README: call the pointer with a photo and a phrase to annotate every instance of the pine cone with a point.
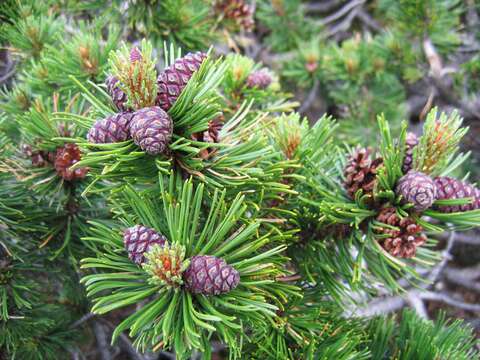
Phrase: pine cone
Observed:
(151, 128)
(135, 55)
(361, 172)
(450, 188)
(238, 11)
(5, 274)
(209, 275)
(65, 157)
(259, 79)
(139, 239)
(114, 128)
(5, 266)
(174, 78)
(404, 239)
(211, 135)
(418, 189)
(39, 158)
(119, 98)
(410, 142)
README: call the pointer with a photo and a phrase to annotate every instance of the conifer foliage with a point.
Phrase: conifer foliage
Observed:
(161, 197)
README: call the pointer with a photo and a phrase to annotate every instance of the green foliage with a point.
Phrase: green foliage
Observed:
(138, 79)
(439, 143)
(236, 91)
(40, 334)
(181, 319)
(416, 338)
(332, 224)
(304, 331)
(245, 179)
(437, 19)
(31, 33)
(187, 23)
(286, 21)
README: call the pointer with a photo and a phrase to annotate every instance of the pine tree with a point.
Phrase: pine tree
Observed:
(174, 200)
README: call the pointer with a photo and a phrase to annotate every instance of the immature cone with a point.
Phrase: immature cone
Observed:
(139, 239)
(450, 188)
(114, 128)
(259, 79)
(174, 78)
(418, 189)
(404, 239)
(361, 172)
(165, 264)
(410, 142)
(119, 98)
(209, 275)
(151, 128)
(65, 158)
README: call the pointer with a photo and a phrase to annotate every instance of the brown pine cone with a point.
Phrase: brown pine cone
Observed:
(361, 172)
(211, 135)
(237, 10)
(402, 241)
(65, 157)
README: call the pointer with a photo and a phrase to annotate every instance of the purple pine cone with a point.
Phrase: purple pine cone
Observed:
(151, 129)
(410, 142)
(418, 189)
(450, 188)
(209, 275)
(139, 239)
(114, 128)
(174, 78)
(260, 79)
(135, 55)
(119, 98)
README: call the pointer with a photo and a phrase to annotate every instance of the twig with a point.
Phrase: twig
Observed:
(103, 346)
(412, 297)
(341, 12)
(466, 238)
(310, 98)
(471, 16)
(80, 321)
(417, 304)
(443, 89)
(10, 72)
(323, 6)
(344, 24)
(464, 277)
(128, 347)
(368, 20)
(443, 297)
(164, 355)
(446, 256)
(381, 306)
